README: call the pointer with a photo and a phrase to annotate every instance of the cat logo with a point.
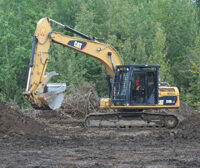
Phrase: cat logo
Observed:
(78, 44)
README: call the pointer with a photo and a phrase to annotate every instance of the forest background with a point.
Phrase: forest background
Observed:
(163, 32)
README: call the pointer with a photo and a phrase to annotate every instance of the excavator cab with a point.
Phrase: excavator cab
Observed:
(136, 95)
(135, 85)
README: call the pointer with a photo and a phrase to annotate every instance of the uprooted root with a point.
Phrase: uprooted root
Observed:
(81, 101)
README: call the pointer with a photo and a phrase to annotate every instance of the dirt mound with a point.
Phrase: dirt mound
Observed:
(185, 109)
(187, 131)
(14, 123)
(192, 121)
(55, 121)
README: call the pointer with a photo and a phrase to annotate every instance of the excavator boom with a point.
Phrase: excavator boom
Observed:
(38, 91)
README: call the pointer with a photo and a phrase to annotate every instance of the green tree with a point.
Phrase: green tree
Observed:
(159, 55)
(192, 71)
(18, 20)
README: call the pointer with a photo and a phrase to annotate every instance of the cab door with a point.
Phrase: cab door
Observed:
(138, 90)
(144, 87)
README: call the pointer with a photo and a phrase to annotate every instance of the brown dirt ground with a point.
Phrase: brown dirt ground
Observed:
(33, 138)
(14, 123)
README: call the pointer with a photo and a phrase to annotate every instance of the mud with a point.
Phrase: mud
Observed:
(54, 139)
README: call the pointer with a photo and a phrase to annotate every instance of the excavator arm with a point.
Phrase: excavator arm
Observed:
(43, 95)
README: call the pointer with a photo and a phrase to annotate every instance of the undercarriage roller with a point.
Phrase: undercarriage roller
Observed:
(130, 120)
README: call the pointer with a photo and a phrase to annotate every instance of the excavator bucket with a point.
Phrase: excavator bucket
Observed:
(48, 97)
(53, 94)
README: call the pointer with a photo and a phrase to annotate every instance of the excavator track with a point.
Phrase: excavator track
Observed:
(131, 120)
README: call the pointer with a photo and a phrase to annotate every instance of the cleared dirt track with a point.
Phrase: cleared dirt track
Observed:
(49, 139)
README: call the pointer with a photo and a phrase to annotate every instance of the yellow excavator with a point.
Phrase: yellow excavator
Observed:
(134, 90)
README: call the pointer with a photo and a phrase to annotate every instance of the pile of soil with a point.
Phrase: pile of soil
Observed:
(191, 122)
(188, 129)
(186, 110)
(14, 123)
(187, 132)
